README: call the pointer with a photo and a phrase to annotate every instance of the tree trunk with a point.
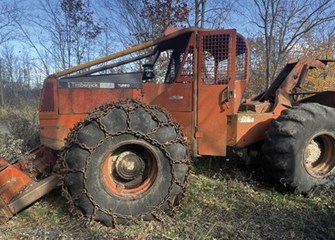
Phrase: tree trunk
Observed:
(2, 97)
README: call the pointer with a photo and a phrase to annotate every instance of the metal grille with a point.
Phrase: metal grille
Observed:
(47, 100)
(215, 59)
(241, 59)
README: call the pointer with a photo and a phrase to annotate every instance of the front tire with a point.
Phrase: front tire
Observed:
(126, 161)
(299, 148)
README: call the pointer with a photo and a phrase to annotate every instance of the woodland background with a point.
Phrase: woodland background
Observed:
(38, 37)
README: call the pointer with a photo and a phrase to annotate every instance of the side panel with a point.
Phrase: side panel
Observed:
(62, 107)
(212, 121)
(176, 98)
(83, 94)
(74, 101)
(247, 128)
(54, 131)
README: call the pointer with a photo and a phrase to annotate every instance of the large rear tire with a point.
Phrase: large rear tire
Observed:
(299, 148)
(125, 161)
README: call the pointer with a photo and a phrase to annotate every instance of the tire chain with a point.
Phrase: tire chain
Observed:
(128, 106)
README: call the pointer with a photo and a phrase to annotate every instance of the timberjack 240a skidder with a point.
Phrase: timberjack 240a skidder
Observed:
(115, 125)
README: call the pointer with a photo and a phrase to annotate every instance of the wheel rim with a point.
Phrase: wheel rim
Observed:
(319, 155)
(130, 169)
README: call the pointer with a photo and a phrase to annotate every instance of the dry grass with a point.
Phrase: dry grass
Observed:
(224, 201)
(19, 130)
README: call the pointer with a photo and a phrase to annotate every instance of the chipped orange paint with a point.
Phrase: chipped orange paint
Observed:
(12, 181)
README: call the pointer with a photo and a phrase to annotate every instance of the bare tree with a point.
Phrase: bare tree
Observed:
(283, 24)
(136, 21)
(8, 13)
(2, 95)
(121, 20)
(68, 30)
(211, 13)
(319, 43)
(28, 38)
(79, 27)
(162, 14)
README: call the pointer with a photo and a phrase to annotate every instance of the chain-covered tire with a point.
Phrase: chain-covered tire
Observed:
(299, 148)
(126, 161)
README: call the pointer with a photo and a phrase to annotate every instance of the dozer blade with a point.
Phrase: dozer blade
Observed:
(19, 186)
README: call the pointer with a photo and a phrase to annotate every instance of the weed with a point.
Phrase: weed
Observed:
(11, 148)
(25, 130)
(20, 131)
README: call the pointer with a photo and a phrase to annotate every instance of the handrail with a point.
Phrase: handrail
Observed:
(105, 59)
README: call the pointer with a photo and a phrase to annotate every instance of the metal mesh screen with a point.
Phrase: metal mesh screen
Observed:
(241, 59)
(215, 59)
